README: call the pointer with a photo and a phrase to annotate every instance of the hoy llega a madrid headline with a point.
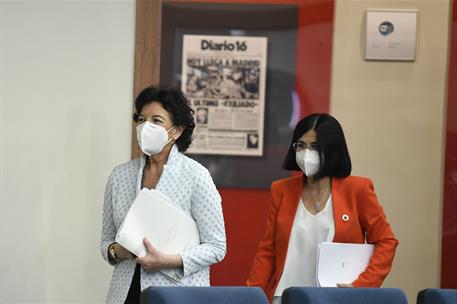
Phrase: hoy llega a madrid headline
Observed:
(223, 46)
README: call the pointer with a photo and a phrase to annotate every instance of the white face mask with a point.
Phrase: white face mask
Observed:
(308, 161)
(152, 138)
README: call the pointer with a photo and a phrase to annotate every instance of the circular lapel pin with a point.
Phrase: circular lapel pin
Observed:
(345, 217)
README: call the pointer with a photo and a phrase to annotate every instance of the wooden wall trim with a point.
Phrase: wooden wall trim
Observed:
(147, 52)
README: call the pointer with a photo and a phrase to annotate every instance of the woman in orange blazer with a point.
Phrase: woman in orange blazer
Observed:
(323, 204)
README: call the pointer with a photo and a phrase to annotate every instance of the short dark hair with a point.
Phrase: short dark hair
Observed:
(331, 144)
(175, 102)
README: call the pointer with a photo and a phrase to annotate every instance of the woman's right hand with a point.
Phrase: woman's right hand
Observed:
(123, 253)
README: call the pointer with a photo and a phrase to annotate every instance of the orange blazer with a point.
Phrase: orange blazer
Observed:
(357, 215)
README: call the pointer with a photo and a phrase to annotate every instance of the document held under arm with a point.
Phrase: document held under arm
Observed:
(341, 262)
(154, 216)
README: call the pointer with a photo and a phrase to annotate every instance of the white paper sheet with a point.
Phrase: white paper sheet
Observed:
(154, 216)
(341, 262)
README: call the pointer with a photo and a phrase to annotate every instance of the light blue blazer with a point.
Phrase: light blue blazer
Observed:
(190, 186)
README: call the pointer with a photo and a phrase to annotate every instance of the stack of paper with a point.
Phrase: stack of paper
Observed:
(341, 262)
(154, 216)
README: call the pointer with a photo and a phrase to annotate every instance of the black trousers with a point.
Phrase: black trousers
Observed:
(133, 297)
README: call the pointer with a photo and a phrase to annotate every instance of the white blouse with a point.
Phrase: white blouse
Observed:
(307, 232)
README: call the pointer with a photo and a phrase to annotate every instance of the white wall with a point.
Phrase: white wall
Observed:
(66, 102)
(393, 116)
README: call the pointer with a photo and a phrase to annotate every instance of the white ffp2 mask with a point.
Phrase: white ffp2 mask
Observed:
(308, 161)
(151, 138)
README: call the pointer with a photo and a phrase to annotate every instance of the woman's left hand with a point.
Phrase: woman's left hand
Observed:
(344, 285)
(156, 260)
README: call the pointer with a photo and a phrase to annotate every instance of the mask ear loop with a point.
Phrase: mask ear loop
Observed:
(172, 139)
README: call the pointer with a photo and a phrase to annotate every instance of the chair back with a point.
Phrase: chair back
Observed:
(334, 295)
(437, 296)
(194, 295)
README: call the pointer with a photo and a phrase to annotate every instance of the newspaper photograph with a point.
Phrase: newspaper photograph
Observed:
(224, 79)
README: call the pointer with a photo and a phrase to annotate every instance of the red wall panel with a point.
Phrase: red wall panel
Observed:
(245, 210)
(245, 214)
(449, 238)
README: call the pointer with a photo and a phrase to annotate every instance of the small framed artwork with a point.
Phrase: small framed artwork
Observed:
(391, 35)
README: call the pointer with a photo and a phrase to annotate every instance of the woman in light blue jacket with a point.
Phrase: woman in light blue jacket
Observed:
(164, 129)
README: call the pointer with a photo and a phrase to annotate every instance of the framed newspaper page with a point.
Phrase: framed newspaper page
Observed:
(250, 134)
(224, 80)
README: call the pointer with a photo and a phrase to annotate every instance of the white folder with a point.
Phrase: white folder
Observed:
(341, 262)
(154, 216)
